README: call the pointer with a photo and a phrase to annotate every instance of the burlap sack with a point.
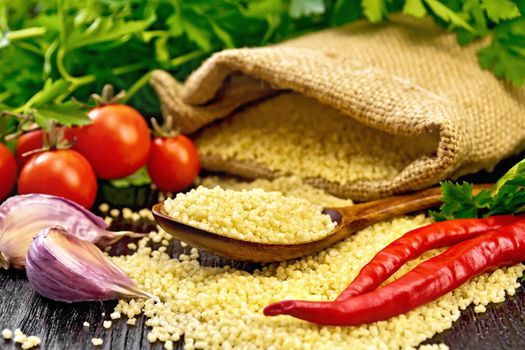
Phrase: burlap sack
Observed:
(406, 77)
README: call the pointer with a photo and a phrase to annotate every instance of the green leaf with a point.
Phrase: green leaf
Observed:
(448, 15)
(263, 8)
(139, 178)
(223, 35)
(104, 30)
(345, 11)
(49, 93)
(498, 10)
(477, 20)
(374, 10)
(459, 202)
(507, 196)
(67, 114)
(516, 172)
(161, 49)
(501, 56)
(196, 28)
(414, 8)
(305, 8)
(198, 35)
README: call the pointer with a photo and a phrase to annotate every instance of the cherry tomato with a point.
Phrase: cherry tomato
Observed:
(7, 172)
(117, 143)
(65, 173)
(173, 163)
(33, 140)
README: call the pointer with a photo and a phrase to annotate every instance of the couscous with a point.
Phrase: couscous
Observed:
(251, 215)
(221, 307)
(316, 141)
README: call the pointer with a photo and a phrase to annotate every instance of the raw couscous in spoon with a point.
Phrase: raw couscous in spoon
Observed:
(349, 220)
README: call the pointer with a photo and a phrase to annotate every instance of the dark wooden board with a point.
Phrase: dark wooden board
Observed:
(60, 325)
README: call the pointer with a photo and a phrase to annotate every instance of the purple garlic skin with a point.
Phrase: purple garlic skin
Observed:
(62, 267)
(23, 216)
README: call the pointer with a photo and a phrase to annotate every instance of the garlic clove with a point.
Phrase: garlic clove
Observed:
(22, 217)
(62, 267)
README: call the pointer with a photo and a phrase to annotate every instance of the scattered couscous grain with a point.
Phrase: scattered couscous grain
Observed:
(114, 212)
(7, 334)
(168, 345)
(20, 337)
(126, 213)
(132, 321)
(251, 215)
(107, 324)
(115, 315)
(289, 186)
(97, 341)
(145, 213)
(108, 220)
(132, 246)
(285, 140)
(103, 208)
(480, 308)
(152, 337)
(31, 342)
(86, 324)
(221, 307)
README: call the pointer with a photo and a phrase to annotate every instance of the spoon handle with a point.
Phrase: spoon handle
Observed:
(390, 207)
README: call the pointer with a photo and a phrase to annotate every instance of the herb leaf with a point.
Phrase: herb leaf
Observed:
(498, 10)
(67, 114)
(507, 196)
(103, 30)
(374, 10)
(302, 8)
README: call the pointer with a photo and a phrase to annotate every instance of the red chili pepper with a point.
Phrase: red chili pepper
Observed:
(428, 281)
(414, 243)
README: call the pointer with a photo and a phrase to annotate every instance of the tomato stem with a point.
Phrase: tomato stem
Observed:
(167, 129)
(108, 96)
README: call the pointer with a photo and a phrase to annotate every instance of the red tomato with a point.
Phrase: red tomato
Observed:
(7, 172)
(173, 163)
(34, 140)
(117, 143)
(65, 173)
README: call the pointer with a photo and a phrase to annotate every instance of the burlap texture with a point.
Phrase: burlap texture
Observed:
(404, 77)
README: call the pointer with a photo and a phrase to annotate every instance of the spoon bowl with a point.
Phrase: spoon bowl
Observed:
(350, 220)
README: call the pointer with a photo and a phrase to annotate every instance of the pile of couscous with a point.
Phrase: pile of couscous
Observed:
(253, 215)
(287, 185)
(221, 307)
(316, 141)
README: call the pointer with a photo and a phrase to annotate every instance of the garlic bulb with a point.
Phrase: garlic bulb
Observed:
(22, 217)
(63, 267)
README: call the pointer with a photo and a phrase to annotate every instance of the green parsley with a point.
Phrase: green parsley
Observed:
(507, 196)
(84, 44)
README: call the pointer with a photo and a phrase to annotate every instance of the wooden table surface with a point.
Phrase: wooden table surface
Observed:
(60, 325)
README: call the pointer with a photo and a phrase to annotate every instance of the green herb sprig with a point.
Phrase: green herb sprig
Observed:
(74, 47)
(507, 196)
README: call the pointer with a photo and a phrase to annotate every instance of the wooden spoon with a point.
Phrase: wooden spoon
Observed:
(350, 220)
